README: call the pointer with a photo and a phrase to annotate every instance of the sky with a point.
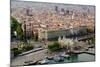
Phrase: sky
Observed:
(50, 6)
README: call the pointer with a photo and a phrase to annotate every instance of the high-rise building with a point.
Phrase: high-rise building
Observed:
(56, 8)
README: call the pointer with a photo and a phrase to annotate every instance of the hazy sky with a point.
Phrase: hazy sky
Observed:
(50, 6)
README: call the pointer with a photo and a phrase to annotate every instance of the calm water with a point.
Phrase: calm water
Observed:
(76, 58)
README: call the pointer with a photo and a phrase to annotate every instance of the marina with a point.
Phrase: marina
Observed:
(61, 57)
(50, 33)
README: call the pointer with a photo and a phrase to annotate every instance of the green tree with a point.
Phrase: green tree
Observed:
(16, 26)
(26, 47)
(16, 51)
(54, 47)
(19, 32)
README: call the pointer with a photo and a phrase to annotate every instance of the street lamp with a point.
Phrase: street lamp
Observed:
(25, 33)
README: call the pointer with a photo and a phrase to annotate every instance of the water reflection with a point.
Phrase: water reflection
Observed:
(76, 58)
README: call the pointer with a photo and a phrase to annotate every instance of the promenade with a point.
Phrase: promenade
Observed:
(33, 56)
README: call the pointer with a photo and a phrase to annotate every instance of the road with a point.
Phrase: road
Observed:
(35, 56)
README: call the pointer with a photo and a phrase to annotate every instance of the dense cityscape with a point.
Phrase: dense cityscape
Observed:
(47, 33)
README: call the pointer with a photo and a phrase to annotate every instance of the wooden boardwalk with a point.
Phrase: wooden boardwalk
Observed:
(86, 37)
(92, 52)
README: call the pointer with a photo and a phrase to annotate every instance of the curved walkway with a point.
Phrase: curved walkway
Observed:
(33, 56)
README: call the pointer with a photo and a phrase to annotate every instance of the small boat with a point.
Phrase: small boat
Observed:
(44, 61)
(50, 58)
(64, 55)
(30, 63)
(58, 58)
